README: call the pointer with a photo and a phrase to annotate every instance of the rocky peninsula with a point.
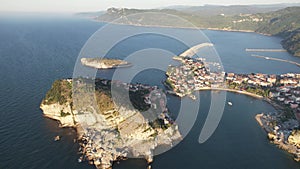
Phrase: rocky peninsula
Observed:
(104, 63)
(110, 130)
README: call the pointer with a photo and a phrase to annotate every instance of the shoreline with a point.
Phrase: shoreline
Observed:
(182, 27)
(222, 89)
(93, 132)
(273, 137)
(264, 122)
(234, 91)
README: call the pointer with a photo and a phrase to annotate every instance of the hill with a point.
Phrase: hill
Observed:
(110, 126)
(284, 23)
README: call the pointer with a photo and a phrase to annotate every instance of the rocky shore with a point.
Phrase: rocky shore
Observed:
(115, 134)
(281, 134)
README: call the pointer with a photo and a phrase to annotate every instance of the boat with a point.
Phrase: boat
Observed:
(193, 97)
(230, 103)
(80, 159)
(56, 138)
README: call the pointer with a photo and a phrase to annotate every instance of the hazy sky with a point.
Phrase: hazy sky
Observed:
(96, 5)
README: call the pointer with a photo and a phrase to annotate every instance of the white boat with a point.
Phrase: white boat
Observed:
(56, 138)
(80, 159)
(229, 103)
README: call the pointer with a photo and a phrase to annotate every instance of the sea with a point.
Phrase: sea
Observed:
(35, 50)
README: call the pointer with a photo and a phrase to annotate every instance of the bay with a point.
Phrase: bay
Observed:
(34, 51)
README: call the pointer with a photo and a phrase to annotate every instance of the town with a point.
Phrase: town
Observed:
(281, 91)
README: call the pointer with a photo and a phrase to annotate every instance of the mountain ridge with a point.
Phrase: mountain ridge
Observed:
(283, 23)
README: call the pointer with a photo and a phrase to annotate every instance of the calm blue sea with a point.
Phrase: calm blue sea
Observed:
(34, 51)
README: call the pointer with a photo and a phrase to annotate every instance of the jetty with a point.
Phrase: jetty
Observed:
(276, 59)
(265, 50)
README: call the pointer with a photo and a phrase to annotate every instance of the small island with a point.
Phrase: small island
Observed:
(281, 91)
(104, 63)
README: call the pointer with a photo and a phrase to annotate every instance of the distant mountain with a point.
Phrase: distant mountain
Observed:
(90, 14)
(281, 22)
(229, 10)
(209, 10)
(292, 43)
(284, 22)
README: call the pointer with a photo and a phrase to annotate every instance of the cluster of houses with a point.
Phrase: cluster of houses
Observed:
(284, 88)
(192, 75)
(288, 91)
(265, 80)
(255, 79)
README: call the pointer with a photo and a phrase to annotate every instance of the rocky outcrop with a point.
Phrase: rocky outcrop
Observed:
(281, 136)
(62, 113)
(116, 133)
(294, 138)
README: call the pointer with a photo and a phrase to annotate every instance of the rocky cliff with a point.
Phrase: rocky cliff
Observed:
(109, 130)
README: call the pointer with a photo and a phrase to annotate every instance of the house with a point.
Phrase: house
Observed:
(265, 84)
(288, 101)
(295, 98)
(274, 94)
(271, 79)
(284, 89)
(281, 99)
(238, 81)
(294, 105)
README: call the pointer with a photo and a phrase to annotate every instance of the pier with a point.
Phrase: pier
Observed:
(276, 59)
(265, 50)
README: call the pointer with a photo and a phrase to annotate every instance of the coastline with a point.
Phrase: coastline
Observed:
(280, 136)
(234, 91)
(222, 89)
(275, 138)
(106, 137)
(181, 27)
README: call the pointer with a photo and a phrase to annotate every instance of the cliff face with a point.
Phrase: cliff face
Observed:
(62, 113)
(107, 130)
(57, 103)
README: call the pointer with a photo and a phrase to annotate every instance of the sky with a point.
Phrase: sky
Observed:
(98, 5)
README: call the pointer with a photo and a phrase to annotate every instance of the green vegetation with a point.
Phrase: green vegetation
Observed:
(60, 92)
(284, 22)
(106, 61)
(292, 43)
(104, 101)
(287, 114)
(169, 84)
(63, 114)
(258, 90)
(280, 22)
